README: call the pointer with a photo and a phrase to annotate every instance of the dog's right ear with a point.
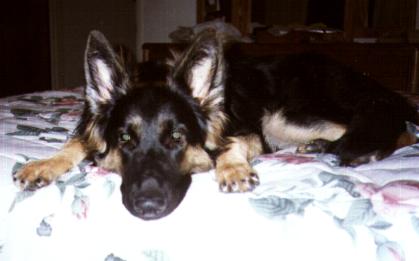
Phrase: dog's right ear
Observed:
(106, 79)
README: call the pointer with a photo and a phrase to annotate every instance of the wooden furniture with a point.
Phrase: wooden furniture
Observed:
(390, 19)
(393, 65)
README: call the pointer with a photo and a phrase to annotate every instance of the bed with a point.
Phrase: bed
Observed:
(306, 207)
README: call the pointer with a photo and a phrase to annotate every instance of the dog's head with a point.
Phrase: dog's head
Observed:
(154, 134)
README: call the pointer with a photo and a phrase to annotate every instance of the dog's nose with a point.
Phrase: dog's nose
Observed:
(149, 202)
(150, 206)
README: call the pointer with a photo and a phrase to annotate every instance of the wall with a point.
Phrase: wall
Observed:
(417, 15)
(157, 18)
(25, 48)
(129, 22)
(71, 21)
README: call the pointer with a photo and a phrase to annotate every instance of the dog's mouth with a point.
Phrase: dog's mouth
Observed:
(153, 199)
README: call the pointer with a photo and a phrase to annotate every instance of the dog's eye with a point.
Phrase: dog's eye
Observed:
(174, 138)
(124, 137)
(177, 136)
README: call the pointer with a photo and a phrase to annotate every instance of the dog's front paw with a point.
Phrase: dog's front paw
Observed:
(236, 177)
(314, 146)
(349, 160)
(37, 174)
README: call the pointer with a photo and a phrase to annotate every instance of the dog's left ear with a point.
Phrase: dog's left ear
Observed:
(200, 68)
(201, 71)
(106, 79)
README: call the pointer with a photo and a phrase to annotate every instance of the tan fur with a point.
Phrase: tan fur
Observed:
(279, 133)
(216, 123)
(406, 139)
(42, 172)
(93, 141)
(112, 161)
(195, 160)
(233, 169)
(135, 122)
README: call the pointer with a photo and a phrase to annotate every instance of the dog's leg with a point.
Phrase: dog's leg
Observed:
(233, 170)
(40, 173)
(372, 135)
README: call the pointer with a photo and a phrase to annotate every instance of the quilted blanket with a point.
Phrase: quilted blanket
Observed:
(306, 207)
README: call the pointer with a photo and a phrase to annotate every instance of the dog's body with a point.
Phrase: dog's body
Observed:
(304, 97)
(157, 133)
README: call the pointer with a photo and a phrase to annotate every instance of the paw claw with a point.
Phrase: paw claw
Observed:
(237, 178)
(255, 178)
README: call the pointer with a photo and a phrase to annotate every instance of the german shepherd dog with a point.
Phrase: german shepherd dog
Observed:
(215, 109)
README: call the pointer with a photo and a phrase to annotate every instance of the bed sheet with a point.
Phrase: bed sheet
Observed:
(306, 207)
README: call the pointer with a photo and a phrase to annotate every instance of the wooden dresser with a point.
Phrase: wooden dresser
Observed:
(393, 65)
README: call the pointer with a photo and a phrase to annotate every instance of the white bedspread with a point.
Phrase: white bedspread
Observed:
(306, 207)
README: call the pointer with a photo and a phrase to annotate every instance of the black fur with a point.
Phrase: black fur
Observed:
(150, 156)
(311, 88)
(152, 184)
(209, 95)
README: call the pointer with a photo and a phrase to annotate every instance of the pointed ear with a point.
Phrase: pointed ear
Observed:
(106, 79)
(200, 68)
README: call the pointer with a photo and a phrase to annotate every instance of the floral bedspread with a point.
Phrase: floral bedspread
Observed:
(306, 208)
